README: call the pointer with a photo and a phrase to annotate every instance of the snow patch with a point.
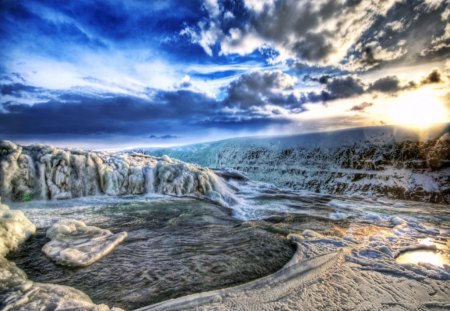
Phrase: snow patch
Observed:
(15, 228)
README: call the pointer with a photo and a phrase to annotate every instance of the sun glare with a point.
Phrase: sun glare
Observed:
(420, 109)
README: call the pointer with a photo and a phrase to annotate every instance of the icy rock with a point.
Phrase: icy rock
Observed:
(75, 244)
(396, 221)
(17, 292)
(338, 216)
(43, 172)
(14, 229)
(378, 161)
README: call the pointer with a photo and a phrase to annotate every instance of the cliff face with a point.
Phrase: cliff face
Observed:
(44, 172)
(374, 161)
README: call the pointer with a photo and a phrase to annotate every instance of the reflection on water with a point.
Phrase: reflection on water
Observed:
(423, 256)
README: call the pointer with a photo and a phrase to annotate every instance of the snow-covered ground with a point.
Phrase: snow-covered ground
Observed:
(352, 252)
(349, 251)
(380, 161)
(369, 256)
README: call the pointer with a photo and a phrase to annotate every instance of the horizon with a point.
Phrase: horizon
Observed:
(127, 74)
(397, 131)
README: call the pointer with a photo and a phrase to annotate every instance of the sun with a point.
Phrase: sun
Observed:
(420, 109)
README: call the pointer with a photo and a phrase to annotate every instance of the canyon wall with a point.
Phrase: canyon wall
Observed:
(378, 161)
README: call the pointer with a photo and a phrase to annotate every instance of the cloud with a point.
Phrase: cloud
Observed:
(94, 115)
(17, 89)
(361, 107)
(166, 136)
(409, 32)
(113, 114)
(344, 87)
(355, 34)
(260, 88)
(390, 84)
(433, 77)
(320, 32)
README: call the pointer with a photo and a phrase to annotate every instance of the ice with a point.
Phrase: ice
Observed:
(17, 292)
(44, 172)
(374, 162)
(20, 294)
(14, 229)
(75, 244)
(356, 272)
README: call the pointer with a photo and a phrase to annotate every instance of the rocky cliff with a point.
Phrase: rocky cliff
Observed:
(379, 161)
(45, 172)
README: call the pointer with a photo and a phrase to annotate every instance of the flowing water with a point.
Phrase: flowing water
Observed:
(174, 247)
(179, 246)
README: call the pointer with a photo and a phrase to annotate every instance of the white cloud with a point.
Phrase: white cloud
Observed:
(259, 5)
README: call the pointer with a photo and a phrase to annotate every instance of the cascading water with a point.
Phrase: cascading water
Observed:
(41, 172)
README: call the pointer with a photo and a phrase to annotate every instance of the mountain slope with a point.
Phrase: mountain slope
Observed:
(376, 161)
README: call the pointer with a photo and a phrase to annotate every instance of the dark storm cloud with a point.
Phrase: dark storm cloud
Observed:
(291, 19)
(16, 89)
(344, 87)
(260, 88)
(390, 84)
(335, 88)
(84, 114)
(349, 86)
(373, 33)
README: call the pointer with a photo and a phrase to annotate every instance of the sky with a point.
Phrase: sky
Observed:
(116, 73)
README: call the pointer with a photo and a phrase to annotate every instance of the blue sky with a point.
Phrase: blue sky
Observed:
(122, 73)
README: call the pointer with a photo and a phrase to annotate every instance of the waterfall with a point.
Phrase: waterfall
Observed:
(43, 172)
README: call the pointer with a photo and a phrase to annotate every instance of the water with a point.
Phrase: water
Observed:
(181, 246)
(423, 256)
(174, 247)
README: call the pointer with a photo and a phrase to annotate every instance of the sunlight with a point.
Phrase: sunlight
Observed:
(420, 109)
(423, 256)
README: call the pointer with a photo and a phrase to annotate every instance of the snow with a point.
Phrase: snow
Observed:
(77, 245)
(19, 293)
(378, 162)
(45, 172)
(357, 271)
(14, 229)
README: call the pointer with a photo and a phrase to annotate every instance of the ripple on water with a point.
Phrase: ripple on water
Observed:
(174, 248)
